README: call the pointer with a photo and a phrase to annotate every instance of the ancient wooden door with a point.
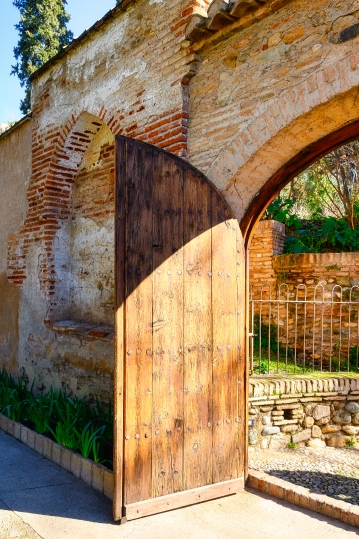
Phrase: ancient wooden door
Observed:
(180, 357)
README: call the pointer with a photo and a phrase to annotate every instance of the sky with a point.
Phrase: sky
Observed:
(10, 91)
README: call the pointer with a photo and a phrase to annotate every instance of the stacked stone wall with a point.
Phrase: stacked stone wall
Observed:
(305, 411)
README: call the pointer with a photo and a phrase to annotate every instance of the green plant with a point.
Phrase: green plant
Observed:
(87, 438)
(72, 422)
(64, 436)
(351, 442)
(292, 445)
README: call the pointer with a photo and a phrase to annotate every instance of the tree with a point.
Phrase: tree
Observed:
(43, 33)
(332, 184)
(320, 207)
(328, 188)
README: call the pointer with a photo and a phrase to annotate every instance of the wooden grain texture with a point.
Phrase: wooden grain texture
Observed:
(139, 267)
(167, 454)
(197, 324)
(182, 499)
(119, 322)
(225, 364)
(242, 331)
(180, 353)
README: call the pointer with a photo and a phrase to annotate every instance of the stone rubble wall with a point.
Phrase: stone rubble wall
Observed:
(312, 412)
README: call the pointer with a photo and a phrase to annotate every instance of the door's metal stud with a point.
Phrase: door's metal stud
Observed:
(228, 346)
(138, 352)
(148, 352)
(159, 272)
(137, 436)
(209, 274)
(127, 437)
(179, 272)
(147, 435)
(129, 352)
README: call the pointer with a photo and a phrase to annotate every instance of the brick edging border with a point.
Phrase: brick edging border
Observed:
(300, 496)
(95, 475)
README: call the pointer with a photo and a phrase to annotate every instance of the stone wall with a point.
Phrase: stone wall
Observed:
(238, 104)
(305, 411)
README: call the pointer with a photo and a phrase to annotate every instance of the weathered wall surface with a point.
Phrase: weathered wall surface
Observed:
(314, 412)
(239, 105)
(130, 77)
(266, 89)
(15, 166)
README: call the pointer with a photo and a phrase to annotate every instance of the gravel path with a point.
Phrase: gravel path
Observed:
(330, 471)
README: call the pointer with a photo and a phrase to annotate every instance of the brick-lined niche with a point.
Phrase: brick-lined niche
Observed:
(83, 248)
(71, 215)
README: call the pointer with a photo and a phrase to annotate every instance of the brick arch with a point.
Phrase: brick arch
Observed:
(57, 156)
(319, 105)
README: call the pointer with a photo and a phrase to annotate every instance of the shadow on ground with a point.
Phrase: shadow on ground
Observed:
(335, 486)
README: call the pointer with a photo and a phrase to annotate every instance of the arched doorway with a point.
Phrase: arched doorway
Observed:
(180, 391)
(285, 174)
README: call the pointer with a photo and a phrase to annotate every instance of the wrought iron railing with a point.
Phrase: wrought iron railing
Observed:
(303, 329)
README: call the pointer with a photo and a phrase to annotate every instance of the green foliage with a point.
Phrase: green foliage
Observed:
(329, 234)
(320, 207)
(42, 34)
(71, 422)
(292, 445)
(351, 442)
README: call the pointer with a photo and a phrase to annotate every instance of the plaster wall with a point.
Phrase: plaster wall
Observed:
(130, 77)
(15, 167)
(238, 105)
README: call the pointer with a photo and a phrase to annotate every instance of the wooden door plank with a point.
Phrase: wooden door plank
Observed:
(182, 499)
(242, 436)
(139, 266)
(197, 325)
(225, 363)
(119, 322)
(167, 454)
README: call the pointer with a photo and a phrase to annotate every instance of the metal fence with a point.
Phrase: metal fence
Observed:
(301, 329)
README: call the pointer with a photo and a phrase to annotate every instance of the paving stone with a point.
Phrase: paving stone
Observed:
(316, 431)
(350, 430)
(302, 436)
(341, 417)
(329, 429)
(252, 436)
(321, 411)
(316, 443)
(268, 431)
(308, 422)
(352, 407)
